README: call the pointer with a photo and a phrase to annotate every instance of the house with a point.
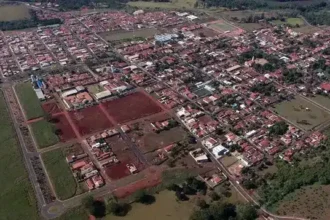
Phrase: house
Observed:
(199, 155)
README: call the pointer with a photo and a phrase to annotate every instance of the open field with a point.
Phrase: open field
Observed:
(302, 113)
(290, 21)
(131, 107)
(44, 133)
(17, 196)
(29, 100)
(60, 174)
(63, 124)
(122, 35)
(322, 100)
(14, 12)
(90, 120)
(153, 141)
(174, 4)
(166, 207)
(77, 213)
(312, 202)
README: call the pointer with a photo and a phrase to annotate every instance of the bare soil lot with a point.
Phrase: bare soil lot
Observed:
(124, 155)
(133, 106)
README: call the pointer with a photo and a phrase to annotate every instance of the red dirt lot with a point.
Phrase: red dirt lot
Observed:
(133, 106)
(51, 107)
(90, 120)
(125, 155)
(64, 125)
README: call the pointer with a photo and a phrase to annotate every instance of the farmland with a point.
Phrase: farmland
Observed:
(44, 133)
(29, 101)
(89, 120)
(131, 107)
(302, 113)
(17, 196)
(60, 174)
(14, 12)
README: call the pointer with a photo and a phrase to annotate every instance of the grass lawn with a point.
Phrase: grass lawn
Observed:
(302, 113)
(14, 12)
(124, 35)
(17, 196)
(44, 133)
(174, 4)
(77, 213)
(290, 21)
(60, 174)
(166, 207)
(29, 101)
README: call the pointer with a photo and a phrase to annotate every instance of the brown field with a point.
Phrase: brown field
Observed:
(131, 107)
(90, 120)
(64, 125)
(312, 202)
(124, 155)
(14, 12)
(51, 107)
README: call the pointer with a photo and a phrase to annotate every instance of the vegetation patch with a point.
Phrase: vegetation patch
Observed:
(60, 174)
(17, 196)
(14, 12)
(29, 101)
(44, 133)
(174, 4)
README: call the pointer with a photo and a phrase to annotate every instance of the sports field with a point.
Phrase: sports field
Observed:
(29, 100)
(60, 174)
(44, 133)
(17, 196)
(174, 4)
(302, 113)
(14, 12)
(123, 35)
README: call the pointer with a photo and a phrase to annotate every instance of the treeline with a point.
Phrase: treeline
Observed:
(34, 21)
(311, 168)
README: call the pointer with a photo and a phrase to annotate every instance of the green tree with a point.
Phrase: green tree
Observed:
(246, 212)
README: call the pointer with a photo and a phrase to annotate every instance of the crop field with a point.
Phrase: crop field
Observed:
(14, 12)
(89, 120)
(174, 4)
(63, 124)
(60, 174)
(133, 106)
(51, 107)
(29, 101)
(17, 196)
(122, 35)
(44, 133)
(303, 114)
(310, 202)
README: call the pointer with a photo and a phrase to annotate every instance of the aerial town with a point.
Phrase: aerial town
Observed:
(180, 91)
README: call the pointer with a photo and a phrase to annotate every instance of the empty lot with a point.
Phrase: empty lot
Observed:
(121, 35)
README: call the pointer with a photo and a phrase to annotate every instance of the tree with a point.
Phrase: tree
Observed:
(279, 128)
(201, 204)
(143, 197)
(246, 212)
(214, 196)
(87, 202)
(97, 209)
(117, 209)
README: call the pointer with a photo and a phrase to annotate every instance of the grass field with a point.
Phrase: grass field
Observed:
(44, 133)
(29, 101)
(17, 196)
(312, 202)
(166, 207)
(222, 26)
(174, 4)
(322, 100)
(122, 35)
(14, 12)
(60, 174)
(77, 213)
(291, 21)
(302, 113)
